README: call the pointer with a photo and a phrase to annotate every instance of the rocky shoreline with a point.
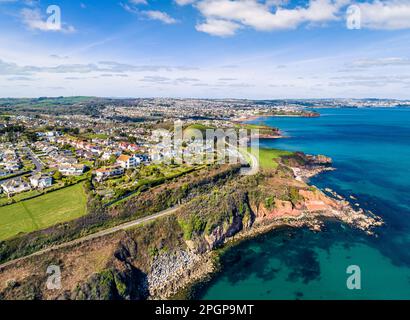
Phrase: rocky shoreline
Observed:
(170, 278)
(171, 273)
(166, 258)
(176, 275)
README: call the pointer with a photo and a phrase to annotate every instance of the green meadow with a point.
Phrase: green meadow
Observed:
(42, 212)
(268, 158)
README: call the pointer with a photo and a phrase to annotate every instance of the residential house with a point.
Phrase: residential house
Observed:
(108, 153)
(15, 186)
(67, 169)
(128, 162)
(133, 147)
(12, 166)
(123, 145)
(4, 172)
(41, 181)
(94, 149)
(85, 154)
(143, 158)
(107, 172)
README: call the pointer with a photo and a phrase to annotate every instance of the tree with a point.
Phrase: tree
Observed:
(57, 175)
(112, 159)
(31, 136)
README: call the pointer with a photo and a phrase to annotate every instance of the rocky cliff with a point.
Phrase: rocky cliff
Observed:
(159, 259)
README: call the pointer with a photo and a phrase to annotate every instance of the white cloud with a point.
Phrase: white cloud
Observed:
(218, 27)
(381, 62)
(386, 15)
(225, 17)
(160, 16)
(11, 68)
(129, 8)
(150, 14)
(184, 2)
(261, 16)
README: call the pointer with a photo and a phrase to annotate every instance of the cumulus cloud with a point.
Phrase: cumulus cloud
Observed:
(218, 27)
(386, 15)
(226, 17)
(160, 16)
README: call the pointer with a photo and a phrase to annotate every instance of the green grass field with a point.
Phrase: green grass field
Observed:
(199, 126)
(42, 212)
(268, 157)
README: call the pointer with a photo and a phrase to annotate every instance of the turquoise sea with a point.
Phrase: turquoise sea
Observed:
(371, 152)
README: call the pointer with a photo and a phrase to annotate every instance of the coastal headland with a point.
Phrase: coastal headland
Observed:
(161, 258)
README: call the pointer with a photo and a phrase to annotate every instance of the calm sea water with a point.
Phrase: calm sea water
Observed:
(371, 151)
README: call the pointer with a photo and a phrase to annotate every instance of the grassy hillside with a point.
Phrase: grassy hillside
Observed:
(268, 158)
(199, 126)
(52, 105)
(42, 212)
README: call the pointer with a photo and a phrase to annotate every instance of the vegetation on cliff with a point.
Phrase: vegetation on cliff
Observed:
(158, 259)
(99, 217)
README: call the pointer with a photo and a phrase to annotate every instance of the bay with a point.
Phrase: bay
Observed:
(371, 152)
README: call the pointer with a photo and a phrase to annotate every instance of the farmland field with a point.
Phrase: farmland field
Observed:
(42, 212)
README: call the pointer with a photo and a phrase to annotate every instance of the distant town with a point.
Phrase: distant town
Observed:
(45, 147)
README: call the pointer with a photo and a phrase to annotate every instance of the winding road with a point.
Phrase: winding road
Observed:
(254, 169)
(96, 235)
(252, 160)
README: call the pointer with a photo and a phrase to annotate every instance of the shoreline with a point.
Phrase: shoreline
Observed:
(195, 277)
(194, 262)
(354, 217)
(178, 272)
(246, 118)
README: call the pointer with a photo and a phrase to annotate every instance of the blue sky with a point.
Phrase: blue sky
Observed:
(259, 49)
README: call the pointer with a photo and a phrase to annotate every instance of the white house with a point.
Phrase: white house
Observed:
(107, 172)
(14, 186)
(71, 169)
(128, 162)
(41, 181)
(106, 155)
